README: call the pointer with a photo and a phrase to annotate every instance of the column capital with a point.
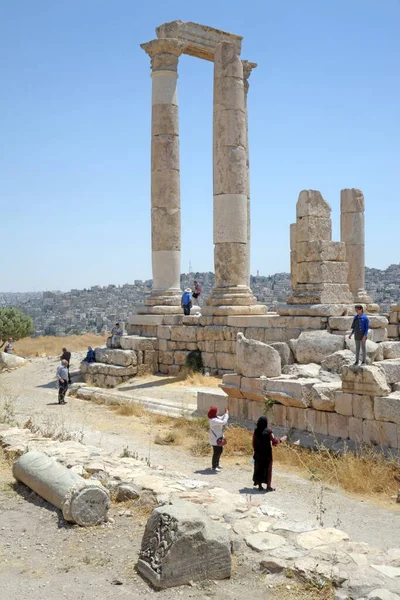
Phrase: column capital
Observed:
(164, 53)
(247, 69)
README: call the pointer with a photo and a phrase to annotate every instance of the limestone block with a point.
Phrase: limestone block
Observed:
(122, 358)
(377, 321)
(230, 218)
(277, 415)
(181, 544)
(165, 229)
(302, 371)
(171, 345)
(228, 95)
(393, 331)
(225, 346)
(254, 388)
(255, 410)
(344, 404)
(186, 345)
(378, 335)
(255, 358)
(166, 358)
(209, 360)
(10, 361)
(163, 345)
(210, 346)
(352, 228)
(355, 429)
(214, 332)
(226, 361)
(293, 238)
(205, 399)
(284, 352)
(104, 369)
(388, 408)
(321, 537)
(372, 348)
(313, 228)
(281, 335)
(316, 251)
(227, 62)
(391, 350)
(340, 323)
(291, 392)
(297, 417)
(351, 201)
(322, 272)
(229, 124)
(338, 425)
(183, 333)
(164, 332)
(311, 202)
(336, 361)
(255, 333)
(391, 368)
(232, 391)
(314, 310)
(368, 381)
(363, 407)
(314, 347)
(232, 379)
(395, 308)
(180, 357)
(165, 153)
(230, 262)
(394, 318)
(317, 421)
(380, 433)
(323, 396)
(329, 293)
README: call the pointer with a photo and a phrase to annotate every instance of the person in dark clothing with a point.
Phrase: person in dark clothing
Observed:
(90, 356)
(186, 301)
(62, 376)
(263, 440)
(359, 328)
(66, 356)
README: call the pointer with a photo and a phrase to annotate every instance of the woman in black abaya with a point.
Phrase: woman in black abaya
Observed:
(263, 440)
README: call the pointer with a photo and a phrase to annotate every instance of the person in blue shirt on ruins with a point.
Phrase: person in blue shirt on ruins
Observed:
(186, 301)
(359, 329)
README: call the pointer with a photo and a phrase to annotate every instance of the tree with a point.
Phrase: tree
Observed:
(14, 324)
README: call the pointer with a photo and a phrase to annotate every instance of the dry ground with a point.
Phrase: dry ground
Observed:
(52, 346)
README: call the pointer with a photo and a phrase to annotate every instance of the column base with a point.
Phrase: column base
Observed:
(238, 300)
(162, 302)
(362, 297)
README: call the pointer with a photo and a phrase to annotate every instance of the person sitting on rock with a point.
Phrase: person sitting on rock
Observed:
(263, 440)
(186, 301)
(8, 349)
(62, 376)
(116, 334)
(90, 356)
(216, 435)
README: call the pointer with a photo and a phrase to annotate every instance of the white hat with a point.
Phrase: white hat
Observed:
(188, 290)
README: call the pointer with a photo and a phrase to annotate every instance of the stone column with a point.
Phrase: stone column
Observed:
(293, 256)
(231, 294)
(247, 69)
(165, 297)
(352, 234)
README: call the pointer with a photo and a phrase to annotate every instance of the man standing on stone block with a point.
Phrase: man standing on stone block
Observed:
(116, 333)
(186, 301)
(62, 376)
(359, 328)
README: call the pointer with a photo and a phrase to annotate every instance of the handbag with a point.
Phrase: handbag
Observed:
(221, 441)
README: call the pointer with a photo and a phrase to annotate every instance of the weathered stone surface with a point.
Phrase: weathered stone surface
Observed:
(103, 369)
(254, 388)
(344, 403)
(127, 492)
(322, 272)
(321, 537)
(314, 251)
(291, 392)
(380, 433)
(323, 396)
(338, 425)
(217, 398)
(255, 358)
(10, 361)
(372, 348)
(362, 581)
(317, 421)
(363, 407)
(378, 335)
(336, 361)
(391, 368)
(121, 358)
(180, 544)
(262, 542)
(340, 323)
(313, 310)
(284, 352)
(382, 594)
(313, 228)
(311, 202)
(302, 371)
(355, 429)
(366, 381)
(136, 342)
(314, 347)
(296, 417)
(388, 408)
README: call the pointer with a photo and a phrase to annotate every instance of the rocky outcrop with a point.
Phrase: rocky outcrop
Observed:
(256, 359)
(315, 346)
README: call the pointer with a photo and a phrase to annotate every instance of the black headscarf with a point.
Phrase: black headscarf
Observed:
(262, 425)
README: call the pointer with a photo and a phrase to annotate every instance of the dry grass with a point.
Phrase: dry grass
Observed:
(187, 378)
(302, 591)
(52, 345)
(128, 410)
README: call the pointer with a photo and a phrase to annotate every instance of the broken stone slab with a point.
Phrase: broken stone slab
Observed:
(374, 350)
(391, 349)
(367, 380)
(284, 352)
(336, 361)
(392, 370)
(137, 342)
(315, 346)
(291, 392)
(104, 369)
(263, 542)
(302, 371)
(81, 501)
(388, 571)
(323, 395)
(273, 565)
(11, 361)
(363, 581)
(313, 310)
(309, 567)
(255, 359)
(321, 537)
(382, 594)
(181, 544)
(126, 492)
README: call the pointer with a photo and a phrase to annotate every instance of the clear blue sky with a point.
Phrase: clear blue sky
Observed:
(75, 107)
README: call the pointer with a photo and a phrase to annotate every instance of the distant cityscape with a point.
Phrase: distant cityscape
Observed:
(97, 308)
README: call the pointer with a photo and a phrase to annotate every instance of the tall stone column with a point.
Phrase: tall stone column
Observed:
(353, 235)
(165, 297)
(231, 294)
(247, 69)
(293, 255)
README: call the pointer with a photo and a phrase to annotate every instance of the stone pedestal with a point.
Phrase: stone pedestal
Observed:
(231, 230)
(352, 234)
(165, 297)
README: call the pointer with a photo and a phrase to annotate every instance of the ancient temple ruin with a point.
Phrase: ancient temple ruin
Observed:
(291, 352)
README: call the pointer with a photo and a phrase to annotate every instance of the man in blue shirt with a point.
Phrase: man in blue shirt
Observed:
(186, 301)
(359, 328)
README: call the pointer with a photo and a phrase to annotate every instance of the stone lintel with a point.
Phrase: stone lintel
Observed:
(199, 40)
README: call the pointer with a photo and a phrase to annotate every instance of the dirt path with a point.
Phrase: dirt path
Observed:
(34, 395)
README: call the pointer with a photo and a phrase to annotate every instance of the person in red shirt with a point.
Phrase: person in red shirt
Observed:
(263, 440)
